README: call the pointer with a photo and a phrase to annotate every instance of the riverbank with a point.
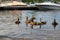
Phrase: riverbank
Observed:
(16, 38)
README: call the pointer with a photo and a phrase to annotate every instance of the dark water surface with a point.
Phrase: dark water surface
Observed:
(47, 32)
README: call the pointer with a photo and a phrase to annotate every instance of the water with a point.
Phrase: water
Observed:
(12, 30)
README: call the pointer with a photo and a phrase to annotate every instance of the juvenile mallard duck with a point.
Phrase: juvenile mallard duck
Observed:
(32, 22)
(36, 23)
(17, 22)
(29, 21)
(54, 23)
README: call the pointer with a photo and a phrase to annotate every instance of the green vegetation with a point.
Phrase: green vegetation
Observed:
(39, 1)
(32, 1)
(56, 0)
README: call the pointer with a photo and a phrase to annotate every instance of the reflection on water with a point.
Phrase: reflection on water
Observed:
(9, 28)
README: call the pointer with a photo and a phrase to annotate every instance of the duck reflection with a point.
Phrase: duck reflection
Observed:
(40, 21)
(54, 23)
(26, 21)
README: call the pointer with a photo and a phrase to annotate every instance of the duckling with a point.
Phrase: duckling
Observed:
(54, 23)
(17, 22)
(29, 21)
(36, 23)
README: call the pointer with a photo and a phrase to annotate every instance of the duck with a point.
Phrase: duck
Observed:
(32, 23)
(54, 23)
(32, 19)
(29, 21)
(36, 23)
(17, 22)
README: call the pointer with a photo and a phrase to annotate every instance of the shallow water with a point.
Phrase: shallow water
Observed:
(12, 30)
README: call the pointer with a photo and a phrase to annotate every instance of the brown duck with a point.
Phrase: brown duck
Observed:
(29, 21)
(54, 23)
(17, 22)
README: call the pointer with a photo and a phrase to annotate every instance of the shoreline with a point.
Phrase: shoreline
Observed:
(18, 8)
(3, 38)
